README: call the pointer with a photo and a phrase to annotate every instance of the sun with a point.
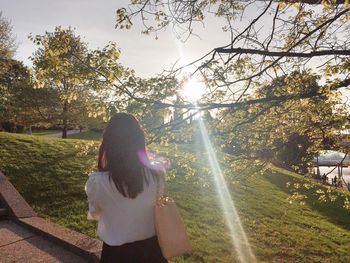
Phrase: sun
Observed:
(193, 90)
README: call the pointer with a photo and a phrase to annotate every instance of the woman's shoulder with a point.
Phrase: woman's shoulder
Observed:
(95, 177)
(98, 173)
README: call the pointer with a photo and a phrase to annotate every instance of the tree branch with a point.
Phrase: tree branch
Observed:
(283, 53)
(237, 105)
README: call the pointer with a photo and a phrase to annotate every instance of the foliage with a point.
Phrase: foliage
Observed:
(144, 98)
(52, 172)
(150, 118)
(176, 13)
(7, 40)
(20, 103)
(81, 78)
(283, 37)
(290, 133)
(288, 124)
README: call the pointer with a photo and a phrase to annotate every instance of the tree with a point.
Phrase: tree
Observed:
(81, 78)
(289, 133)
(7, 40)
(146, 94)
(284, 36)
(21, 104)
(12, 73)
(7, 48)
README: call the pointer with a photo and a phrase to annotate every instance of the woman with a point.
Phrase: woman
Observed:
(122, 194)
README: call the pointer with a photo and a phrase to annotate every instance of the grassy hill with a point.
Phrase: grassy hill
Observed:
(88, 135)
(50, 173)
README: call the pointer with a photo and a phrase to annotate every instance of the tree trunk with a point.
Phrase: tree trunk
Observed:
(65, 121)
(14, 127)
(64, 130)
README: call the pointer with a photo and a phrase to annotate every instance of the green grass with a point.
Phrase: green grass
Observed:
(51, 173)
(88, 135)
(44, 132)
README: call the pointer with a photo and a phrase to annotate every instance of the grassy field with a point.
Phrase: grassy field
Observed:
(88, 135)
(51, 173)
(45, 132)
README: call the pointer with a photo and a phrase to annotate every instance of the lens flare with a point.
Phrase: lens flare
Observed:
(237, 234)
(153, 161)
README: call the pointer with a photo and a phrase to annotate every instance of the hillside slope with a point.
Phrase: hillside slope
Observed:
(50, 173)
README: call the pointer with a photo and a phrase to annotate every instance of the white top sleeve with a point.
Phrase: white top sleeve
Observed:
(91, 192)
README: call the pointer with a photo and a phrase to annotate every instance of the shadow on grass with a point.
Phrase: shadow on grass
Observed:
(334, 211)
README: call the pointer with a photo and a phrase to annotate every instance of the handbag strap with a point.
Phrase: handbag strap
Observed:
(160, 177)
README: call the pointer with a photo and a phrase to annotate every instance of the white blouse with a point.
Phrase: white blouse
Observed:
(120, 219)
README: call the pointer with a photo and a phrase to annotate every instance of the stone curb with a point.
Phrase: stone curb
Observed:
(15, 203)
(80, 244)
(21, 213)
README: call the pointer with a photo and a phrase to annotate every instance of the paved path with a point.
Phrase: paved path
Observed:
(69, 132)
(18, 244)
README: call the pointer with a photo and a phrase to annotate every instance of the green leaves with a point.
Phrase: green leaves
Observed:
(84, 79)
(290, 132)
(8, 43)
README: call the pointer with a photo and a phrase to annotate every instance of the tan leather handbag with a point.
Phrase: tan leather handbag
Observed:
(171, 232)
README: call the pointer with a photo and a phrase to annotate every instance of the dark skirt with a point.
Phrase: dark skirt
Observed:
(143, 251)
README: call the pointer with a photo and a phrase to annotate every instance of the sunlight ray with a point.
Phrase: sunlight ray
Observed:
(193, 91)
(237, 234)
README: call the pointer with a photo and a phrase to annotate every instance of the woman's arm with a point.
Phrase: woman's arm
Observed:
(91, 189)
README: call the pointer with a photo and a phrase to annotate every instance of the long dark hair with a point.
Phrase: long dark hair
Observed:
(123, 154)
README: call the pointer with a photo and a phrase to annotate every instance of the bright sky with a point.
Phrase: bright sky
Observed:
(94, 21)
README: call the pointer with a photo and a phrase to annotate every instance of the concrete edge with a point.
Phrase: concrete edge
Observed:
(13, 200)
(22, 213)
(80, 244)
